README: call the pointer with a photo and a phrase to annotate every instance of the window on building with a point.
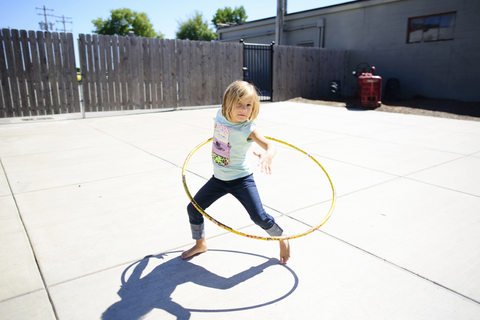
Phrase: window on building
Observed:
(437, 27)
(305, 44)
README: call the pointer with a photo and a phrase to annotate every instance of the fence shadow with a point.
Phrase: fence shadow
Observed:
(140, 295)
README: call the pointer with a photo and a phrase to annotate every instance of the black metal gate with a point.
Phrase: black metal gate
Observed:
(257, 68)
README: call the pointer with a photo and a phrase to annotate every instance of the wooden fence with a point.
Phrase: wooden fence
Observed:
(127, 73)
(307, 72)
(37, 74)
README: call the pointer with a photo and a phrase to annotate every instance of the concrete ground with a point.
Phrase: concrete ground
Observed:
(93, 219)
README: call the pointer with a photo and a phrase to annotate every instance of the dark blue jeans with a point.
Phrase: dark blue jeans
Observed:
(245, 190)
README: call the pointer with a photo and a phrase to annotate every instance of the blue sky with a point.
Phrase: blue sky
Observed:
(164, 15)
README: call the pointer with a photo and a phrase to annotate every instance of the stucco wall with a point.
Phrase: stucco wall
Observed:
(375, 32)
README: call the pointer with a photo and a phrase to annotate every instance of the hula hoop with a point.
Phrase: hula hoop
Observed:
(218, 223)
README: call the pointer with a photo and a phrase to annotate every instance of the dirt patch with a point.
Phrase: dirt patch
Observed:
(442, 108)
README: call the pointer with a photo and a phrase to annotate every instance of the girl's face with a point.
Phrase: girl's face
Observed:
(242, 111)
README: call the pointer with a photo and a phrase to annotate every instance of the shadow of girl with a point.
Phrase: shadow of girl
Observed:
(153, 291)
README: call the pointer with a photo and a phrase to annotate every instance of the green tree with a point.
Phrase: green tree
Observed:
(236, 15)
(195, 29)
(124, 20)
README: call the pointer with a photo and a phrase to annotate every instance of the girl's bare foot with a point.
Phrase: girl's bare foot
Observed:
(284, 251)
(199, 247)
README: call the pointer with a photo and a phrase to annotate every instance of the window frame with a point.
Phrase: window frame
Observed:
(439, 15)
(306, 44)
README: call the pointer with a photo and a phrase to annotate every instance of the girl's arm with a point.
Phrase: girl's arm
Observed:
(265, 159)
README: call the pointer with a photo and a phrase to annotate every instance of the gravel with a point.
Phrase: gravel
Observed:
(442, 108)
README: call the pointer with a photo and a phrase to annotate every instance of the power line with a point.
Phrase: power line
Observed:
(44, 25)
(50, 26)
(63, 21)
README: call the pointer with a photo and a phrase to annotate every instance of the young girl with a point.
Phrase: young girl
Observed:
(234, 133)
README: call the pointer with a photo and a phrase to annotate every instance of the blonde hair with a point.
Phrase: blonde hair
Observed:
(235, 94)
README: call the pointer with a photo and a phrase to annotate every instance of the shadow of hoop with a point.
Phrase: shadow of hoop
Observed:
(140, 293)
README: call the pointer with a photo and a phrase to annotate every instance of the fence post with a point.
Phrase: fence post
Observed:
(82, 106)
(271, 69)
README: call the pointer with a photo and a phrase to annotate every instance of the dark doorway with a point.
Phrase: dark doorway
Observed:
(257, 67)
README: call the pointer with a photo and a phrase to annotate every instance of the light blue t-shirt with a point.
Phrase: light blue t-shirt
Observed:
(229, 148)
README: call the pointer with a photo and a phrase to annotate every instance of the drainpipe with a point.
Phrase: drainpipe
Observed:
(321, 33)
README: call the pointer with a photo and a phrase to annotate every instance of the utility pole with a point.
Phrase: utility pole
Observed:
(63, 21)
(44, 26)
(281, 8)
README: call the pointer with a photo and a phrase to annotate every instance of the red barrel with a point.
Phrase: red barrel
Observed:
(370, 89)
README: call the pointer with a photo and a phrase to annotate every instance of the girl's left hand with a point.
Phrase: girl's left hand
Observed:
(264, 161)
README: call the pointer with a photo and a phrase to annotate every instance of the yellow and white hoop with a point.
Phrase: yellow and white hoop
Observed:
(218, 223)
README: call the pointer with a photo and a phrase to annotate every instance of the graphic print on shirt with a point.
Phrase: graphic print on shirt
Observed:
(221, 145)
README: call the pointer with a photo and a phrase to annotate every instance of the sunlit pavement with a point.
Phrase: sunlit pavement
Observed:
(93, 219)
